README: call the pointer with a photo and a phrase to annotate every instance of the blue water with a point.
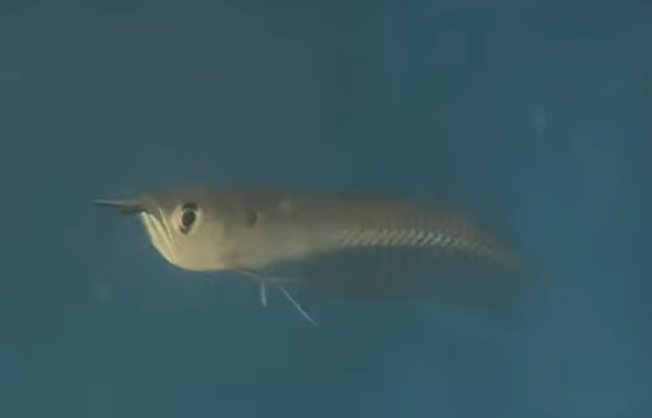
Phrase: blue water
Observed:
(531, 116)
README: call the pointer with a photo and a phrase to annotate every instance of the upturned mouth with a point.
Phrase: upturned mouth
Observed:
(122, 206)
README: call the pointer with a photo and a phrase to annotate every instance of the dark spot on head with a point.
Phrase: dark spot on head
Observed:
(251, 217)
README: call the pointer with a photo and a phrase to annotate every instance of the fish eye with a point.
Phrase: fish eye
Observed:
(187, 217)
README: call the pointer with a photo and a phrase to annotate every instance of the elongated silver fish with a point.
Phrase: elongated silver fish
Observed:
(346, 244)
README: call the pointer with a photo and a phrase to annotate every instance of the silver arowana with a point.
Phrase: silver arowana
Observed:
(345, 244)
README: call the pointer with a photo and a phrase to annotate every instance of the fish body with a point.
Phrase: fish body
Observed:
(347, 244)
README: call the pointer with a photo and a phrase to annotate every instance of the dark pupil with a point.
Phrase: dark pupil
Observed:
(188, 216)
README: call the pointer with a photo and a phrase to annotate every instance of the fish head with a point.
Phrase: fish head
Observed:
(188, 227)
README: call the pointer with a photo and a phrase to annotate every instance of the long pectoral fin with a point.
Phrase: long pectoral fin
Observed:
(263, 283)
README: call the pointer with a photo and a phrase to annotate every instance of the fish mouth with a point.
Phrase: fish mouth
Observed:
(141, 205)
(152, 218)
(123, 206)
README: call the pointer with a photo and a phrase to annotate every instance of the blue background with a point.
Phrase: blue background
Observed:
(531, 116)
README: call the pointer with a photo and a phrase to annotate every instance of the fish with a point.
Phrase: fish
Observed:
(345, 244)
